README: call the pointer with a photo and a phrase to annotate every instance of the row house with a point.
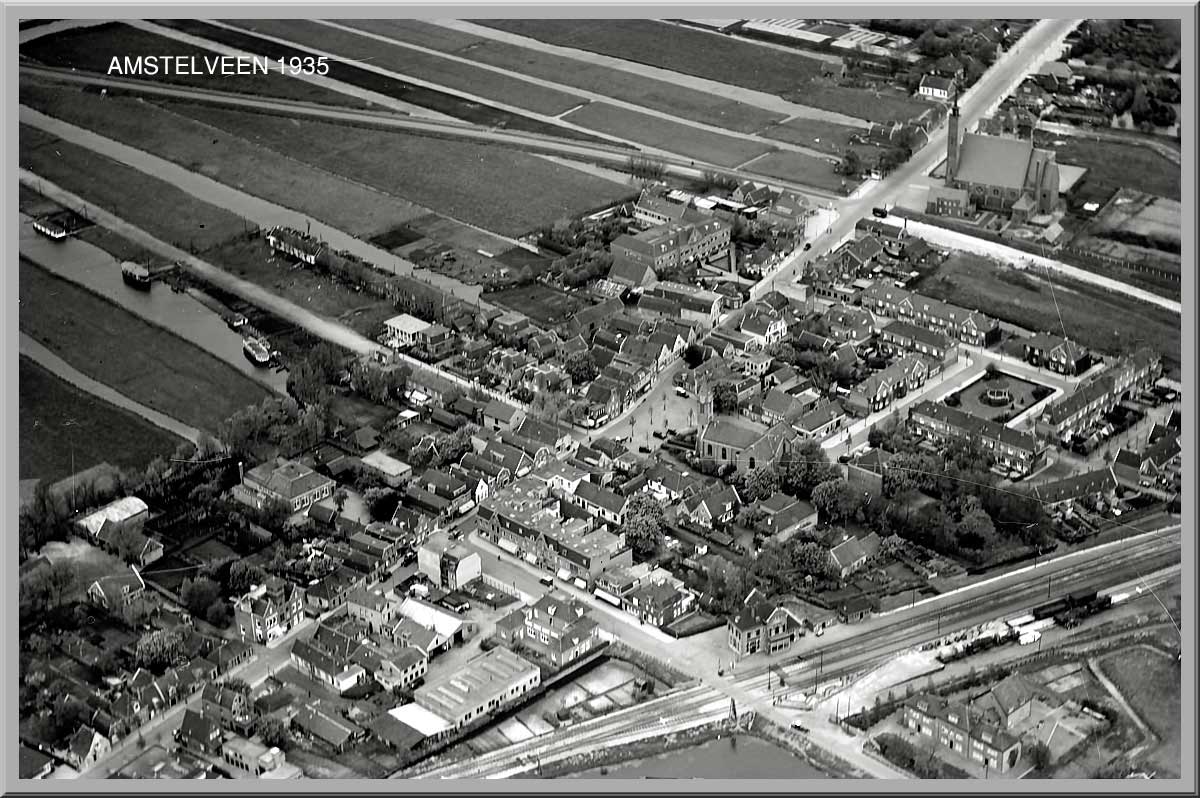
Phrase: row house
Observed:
(1074, 413)
(850, 325)
(1016, 451)
(269, 611)
(879, 390)
(968, 326)
(697, 305)
(767, 328)
(824, 419)
(900, 336)
(673, 245)
(951, 726)
(1062, 493)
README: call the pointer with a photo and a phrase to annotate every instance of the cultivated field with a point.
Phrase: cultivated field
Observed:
(92, 49)
(1138, 228)
(800, 168)
(541, 303)
(724, 59)
(1099, 320)
(157, 207)
(1117, 165)
(407, 62)
(344, 72)
(666, 135)
(273, 176)
(1150, 682)
(63, 430)
(685, 103)
(812, 133)
(142, 361)
(496, 188)
(660, 44)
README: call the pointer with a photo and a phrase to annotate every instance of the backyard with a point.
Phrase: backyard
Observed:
(1149, 679)
(91, 49)
(63, 430)
(142, 361)
(1102, 321)
(492, 187)
(543, 304)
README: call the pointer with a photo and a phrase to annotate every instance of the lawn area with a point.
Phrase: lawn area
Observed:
(63, 430)
(32, 203)
(213, 153)
(660, 44)
(253, 260)
(539, 302)
(412, 63)
(92, 49)
(664, 134)
(1103, 321)
(492, 187)
(800, 168)
(1150, 682)
(805, 132)
(142, 361)
(685, 103)
(348, 73)
(860, 103)
(1117, 165)
(167, 213)
(1019, 390)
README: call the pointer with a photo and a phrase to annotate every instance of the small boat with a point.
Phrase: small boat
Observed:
(256, 351)
(135, 275)
(236, 321)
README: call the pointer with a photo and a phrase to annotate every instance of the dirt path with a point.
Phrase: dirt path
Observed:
(1149, 738)
(35, 351)
(761, 99)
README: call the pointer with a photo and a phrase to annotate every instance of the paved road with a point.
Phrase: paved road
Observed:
(45, 358)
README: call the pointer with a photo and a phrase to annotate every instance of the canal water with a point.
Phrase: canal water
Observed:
(727, 758)
(181, 313)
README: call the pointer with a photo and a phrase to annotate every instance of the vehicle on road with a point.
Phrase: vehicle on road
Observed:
(644, 449)
(800, 727)
(880, 213)
(659, 434)
(681, 392)
(807, 246)
(547, 581)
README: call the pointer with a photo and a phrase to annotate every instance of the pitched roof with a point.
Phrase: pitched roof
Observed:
(1098, 481)
(993, 160)
(113, 512)
(937, 82)
(601, 497)
(848, 552)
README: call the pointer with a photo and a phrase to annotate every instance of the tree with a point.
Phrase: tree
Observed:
(693, 355)
(805, 469)
(273, 732)
(381, 503)
(581, 367)
(197, 595)
(643, 525)
(1039, 754)
(339, 499)
(760, 484)
(813, 559)
(836, 500)
(851, 164)
(237, 685)
(128, 543)
(159, 649)
(242, 576)
(725, 399)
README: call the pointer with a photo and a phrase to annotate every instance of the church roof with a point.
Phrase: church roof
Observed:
(993, 160)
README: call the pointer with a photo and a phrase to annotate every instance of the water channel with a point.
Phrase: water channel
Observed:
(727, 758)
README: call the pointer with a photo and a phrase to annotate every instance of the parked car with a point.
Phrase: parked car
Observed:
(547, 581)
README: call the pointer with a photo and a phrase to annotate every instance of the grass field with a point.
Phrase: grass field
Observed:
(142, 361)
(692, 52)
(1150, 682)
(157, 207)
(253, 260)
(806, 132)
(685, 103)
(664, 134)
(477, 113)
(860, 103)
(92, 49)
(800, 168)
(406, 62)
(1099, 320)
(63, 430)
(492, 187)
(1117, 165)
(32, 203)
(539, 302)
(273, 176)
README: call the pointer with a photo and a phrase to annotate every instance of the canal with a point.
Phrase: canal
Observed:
(93, 268)
(739, 757)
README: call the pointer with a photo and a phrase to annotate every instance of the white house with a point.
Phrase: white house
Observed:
(402, 330)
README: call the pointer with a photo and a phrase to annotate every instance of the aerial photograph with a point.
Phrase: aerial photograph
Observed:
(611, 399)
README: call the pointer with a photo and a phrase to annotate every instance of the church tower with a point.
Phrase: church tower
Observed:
(953, 141)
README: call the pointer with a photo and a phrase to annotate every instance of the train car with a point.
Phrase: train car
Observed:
(1081, 597)
(1050, 609)
(1016, 623)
